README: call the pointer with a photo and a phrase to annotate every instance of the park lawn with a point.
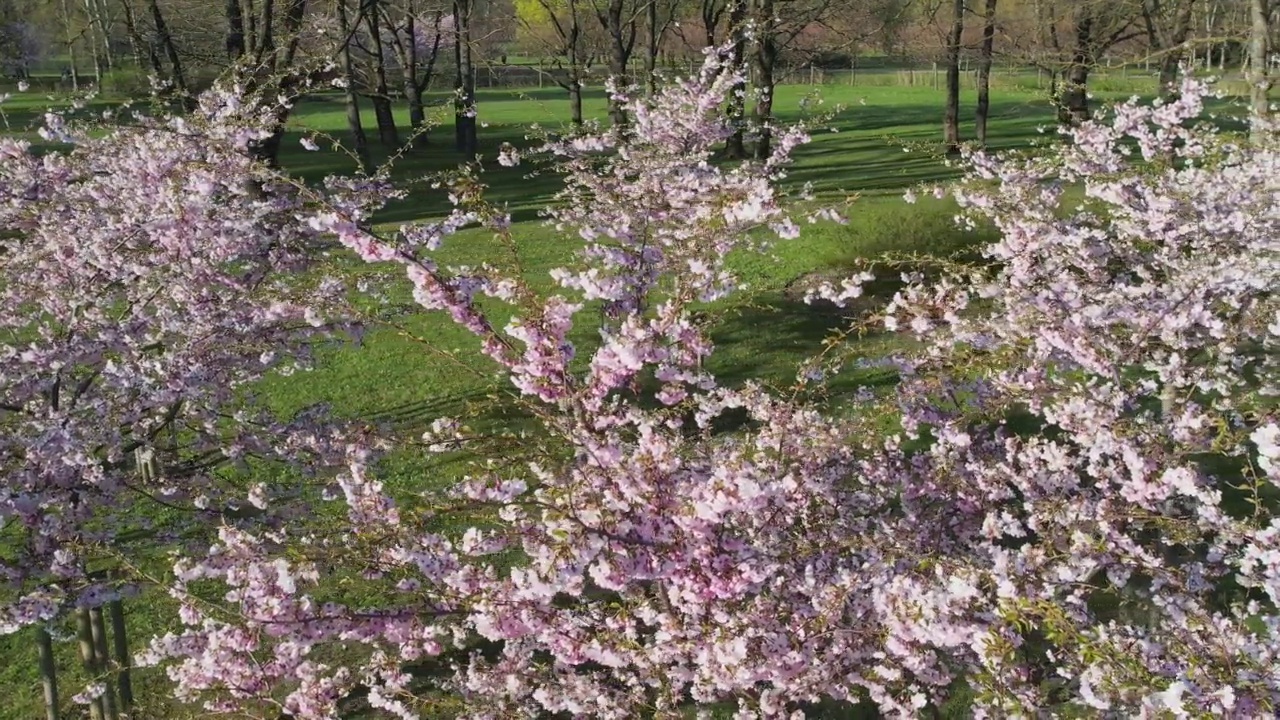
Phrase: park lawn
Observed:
(880, 149)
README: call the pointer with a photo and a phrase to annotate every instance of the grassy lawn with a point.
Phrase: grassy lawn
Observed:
(886, 141)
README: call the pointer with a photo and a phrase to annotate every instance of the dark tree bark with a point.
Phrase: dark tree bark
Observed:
(573, 84)
(569, 36)
(84, 628)
(388, 135)
(464, 111)
(98, 630)
(951, 122)
(1167, 32)
(712, 11)
(1098, 27)
(736, 112)
(359, 143)
(415, 78)
(1259, 75)
(48, 674)
(171, 50)
(652, 43)
(413, 89)
(235, 31)
(984, 72)
(620, 26)
(144, 52)
(268, 63)
(764, 60)
(120, 642)
(1073, 108)
(661, 14)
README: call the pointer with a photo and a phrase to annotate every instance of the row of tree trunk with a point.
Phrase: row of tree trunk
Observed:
(105, 657)
(1094, 29)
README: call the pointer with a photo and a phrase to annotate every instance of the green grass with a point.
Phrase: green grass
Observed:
(763, 333)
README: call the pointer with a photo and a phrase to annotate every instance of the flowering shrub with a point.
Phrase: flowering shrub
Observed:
(1076, 514)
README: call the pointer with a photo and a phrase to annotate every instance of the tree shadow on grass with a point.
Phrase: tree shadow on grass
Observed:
(770, 338)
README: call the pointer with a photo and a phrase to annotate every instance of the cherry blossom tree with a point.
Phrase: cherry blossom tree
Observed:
(1074, 513)
(149, 282)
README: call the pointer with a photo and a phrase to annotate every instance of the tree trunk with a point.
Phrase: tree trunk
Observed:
(951, 122)
(98, 630)
(48, 674)
(1073, 108)
(651, 49)
(736, 111)
(573, 36)
(166, 41)
(96, 53)
(464, 116)
(415, 83)
(89, 657)
(99, 40)
(764, 61)
(71, 46)
(120, 641)
(106, 28)
(984, 72)
(359, 144)
(621, 31)
(575, 101)
(407, 45)
(1259, 73)
(381, 97)
(136, 44)
(1169, 64)
(99, 19)
(1167, 36)
(417, 111)
(235, 31)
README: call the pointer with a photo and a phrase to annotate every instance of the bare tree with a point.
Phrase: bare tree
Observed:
(379, 94)
(416, 41)
(70, 36)
(165, 40)
(359, 143)
(264, 59)
(736, 111)
(984, 71)
(235, 30)
(660, 14)
(1095, 27)
(764, 61)
(619, 20)
(464, 110)
(771, 34)
(951, 121)
(568, 45)
(1259, 55)
(99, 35)
(1168, 27)
(48, 674)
